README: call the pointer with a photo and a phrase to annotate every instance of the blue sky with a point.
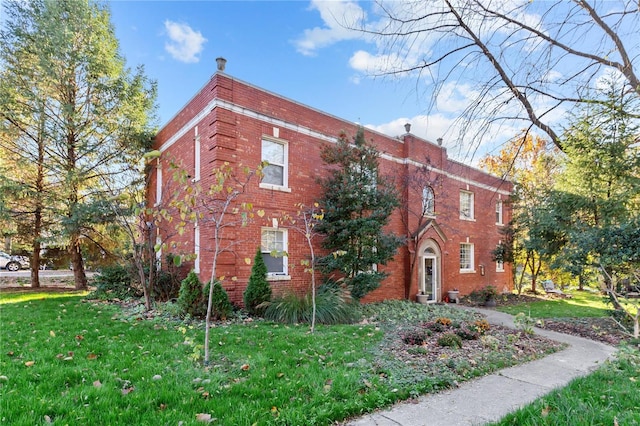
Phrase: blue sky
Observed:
(292, 48)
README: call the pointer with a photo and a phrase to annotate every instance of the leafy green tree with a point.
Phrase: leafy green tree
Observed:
(357, 204)
(258, 289)
(75, 96)
(597, 196)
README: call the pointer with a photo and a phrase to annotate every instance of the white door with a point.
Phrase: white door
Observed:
(430, 274)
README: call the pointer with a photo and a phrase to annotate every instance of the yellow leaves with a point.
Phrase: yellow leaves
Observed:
(545, 411)
(260, 213)
(245, 367)
(247, 260)
(52, 333)
(29, 363)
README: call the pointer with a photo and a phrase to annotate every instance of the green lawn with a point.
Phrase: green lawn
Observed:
(609, 396)
(581, 304)
(65, 360)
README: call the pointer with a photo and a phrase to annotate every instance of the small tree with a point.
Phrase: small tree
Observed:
(258, 289)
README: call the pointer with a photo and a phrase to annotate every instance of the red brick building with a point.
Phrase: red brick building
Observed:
(452, 223)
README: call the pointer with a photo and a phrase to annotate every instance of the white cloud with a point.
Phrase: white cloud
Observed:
(184, 43)
(339, 18)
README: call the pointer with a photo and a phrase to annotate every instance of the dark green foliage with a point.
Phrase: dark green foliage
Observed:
(416, 337)
(435, 326)
(357, 202)
(333, 306)
(191, 300)
(467, 333)
(114, 282)
(221, 306)
(451, 340)
(258, 290)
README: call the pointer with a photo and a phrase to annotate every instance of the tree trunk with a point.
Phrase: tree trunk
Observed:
(79, 277)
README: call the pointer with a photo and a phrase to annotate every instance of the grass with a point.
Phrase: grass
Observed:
(609, 396)
(66, 360)
(581, 304)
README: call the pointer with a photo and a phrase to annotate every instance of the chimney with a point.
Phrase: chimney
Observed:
(407, 127)
(221, 63)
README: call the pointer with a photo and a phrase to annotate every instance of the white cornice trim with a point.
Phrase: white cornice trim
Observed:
(220, 103)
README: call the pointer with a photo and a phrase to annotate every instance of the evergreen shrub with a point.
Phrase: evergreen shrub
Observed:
(221, 306)
(190, 298)
(258, 289)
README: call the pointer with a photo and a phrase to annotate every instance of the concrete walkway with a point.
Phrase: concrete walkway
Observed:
(491, 397)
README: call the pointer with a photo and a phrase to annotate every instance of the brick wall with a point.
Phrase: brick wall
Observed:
(230, 131)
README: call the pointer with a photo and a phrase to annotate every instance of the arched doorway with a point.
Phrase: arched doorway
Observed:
(430, 274)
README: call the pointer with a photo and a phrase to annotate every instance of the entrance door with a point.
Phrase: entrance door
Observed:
(430, 285)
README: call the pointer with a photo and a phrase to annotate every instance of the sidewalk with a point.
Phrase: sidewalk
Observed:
(491, 397)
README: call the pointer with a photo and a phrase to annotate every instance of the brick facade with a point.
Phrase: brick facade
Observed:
(228, 120)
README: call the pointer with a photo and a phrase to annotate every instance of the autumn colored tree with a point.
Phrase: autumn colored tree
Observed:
(531, 163)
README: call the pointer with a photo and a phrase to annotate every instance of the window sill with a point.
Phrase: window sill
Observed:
(278, 277)
(274, 187)
(468, 219)
(499, 224)
(499, 270)
(467, 271)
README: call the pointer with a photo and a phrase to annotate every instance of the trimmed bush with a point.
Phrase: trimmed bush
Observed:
(190, 298)
(258, 290)
(221, 306)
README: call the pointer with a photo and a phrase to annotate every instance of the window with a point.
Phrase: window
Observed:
(274, 251)
(158, 184)
(196, 248)
(428, 201)
(466, 257)
(499, 213)
(275, 153)
(196, 157)
(466, 205)
(499, 266)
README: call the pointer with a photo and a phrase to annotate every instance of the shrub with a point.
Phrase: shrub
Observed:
(434, 326)
(490, 342)
(489, 292)
(444, 321)
(467, 333)
(190, 298)
(114, 282)
(258, 290)
(450, 340)
(416, 337)
(221, 306)
(481, 326)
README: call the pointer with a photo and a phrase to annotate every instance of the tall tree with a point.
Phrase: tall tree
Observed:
(528, 61)
(531, 163)
(91, 112)
(357, 202)
(598, 194)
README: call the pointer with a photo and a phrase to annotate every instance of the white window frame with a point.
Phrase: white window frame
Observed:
(285, 166)
(499, 266)
(274, 276)
(470, 266)
(196, 247)
(428, 201)
(499, 217)
(196, 157)
(158, 183)
(464, 197)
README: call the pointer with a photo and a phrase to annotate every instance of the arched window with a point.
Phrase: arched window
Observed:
(428, 201)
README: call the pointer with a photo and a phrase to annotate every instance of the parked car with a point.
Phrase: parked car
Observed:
(13, 263)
